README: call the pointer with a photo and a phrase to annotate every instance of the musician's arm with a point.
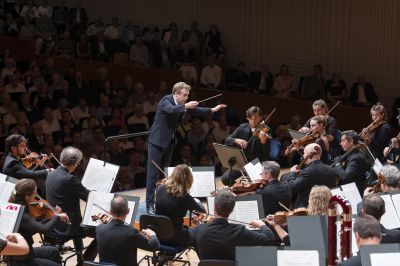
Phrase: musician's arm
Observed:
(230, 140)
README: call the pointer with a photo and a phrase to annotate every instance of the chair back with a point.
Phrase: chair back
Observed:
(121, 58)
(160, 224)
(216, 263)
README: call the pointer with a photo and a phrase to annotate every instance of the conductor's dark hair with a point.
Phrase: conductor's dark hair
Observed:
(13, 141)
(224, 203)
(253, 110)
(119, 205)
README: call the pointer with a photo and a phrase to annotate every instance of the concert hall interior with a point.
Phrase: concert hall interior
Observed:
(199, 132)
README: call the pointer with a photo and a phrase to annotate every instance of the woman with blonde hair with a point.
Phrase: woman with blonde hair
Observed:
(173, 200)
(319, 200)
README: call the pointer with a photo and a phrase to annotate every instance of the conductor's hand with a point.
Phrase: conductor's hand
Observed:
(257, 223)
(191, 105)
(218, 107)
(242, 143)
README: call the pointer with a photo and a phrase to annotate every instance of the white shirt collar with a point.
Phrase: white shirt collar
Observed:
(173, 96)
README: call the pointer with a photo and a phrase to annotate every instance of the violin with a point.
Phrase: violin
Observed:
(33, 159)
(370, 128)
(41, 209)
(316, 151)
(242, 186)
(262, 127)
(392, 144)
(102, 218)
(307, 139)
(340, 159)
(377, 188)
(200, 218)
(281, 216)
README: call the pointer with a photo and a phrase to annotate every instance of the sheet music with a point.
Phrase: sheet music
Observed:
(100, 198)
(377, 166)
(99, 177)
(8, 217)
(254, 169)
(352, 194)
(3, 177)
(203, 184)
(396, 202)
(298, 258)
(244, 211)
(6, 189)
(387, 259)
(390, 219)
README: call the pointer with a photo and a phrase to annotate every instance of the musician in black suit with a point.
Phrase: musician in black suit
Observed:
(118, 242)
(16, 146)
(253, 147)
(379, 138)
(65, 190)
(354, 167)
(315, 173)
(218, 239)
(374, 205)
(173, 200)
(170, 111)
(367, 231)
(276, 191)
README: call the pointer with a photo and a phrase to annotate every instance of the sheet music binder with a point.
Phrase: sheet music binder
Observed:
(19, 216)
(367, 250)
(9, 184)
(197, 169)
(134, 199)
(309, 232)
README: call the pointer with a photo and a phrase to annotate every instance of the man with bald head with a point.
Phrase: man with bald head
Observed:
(315, 173)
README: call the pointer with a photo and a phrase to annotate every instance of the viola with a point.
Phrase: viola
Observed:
(200, 218)
(41, 209)
(35, 159)
(392, 144)
(281, 216)
(307, 139)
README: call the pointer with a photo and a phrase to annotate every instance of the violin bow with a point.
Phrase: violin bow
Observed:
(263, 121)
(55, 158)
(159, 168)
(339, 102)
(209, 98)
(283, 206)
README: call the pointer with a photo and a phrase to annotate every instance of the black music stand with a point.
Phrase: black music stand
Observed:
(230, 157)
(367, 250)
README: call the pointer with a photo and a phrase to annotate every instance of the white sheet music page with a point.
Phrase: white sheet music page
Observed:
(396, 203)
(100, 198)
(6, 189)
(297, 258)
(387, 259)
(377, 166)
(203, 184)
(131, 205)
(3, 177)
(390, 219)
(352, 194)
(8, 217)
(210, 205)
(254, 169)
(99, 177)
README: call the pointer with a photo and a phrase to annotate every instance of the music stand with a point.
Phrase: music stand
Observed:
(367, 250)
(230, 157)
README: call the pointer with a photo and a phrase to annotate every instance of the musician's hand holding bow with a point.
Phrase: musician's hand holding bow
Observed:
(263, 137)
(63, 217)
(148, 233)
(242, 143)
(295, 169)
(257, 223)
(58, 209)
(368, 190)
(218, 107)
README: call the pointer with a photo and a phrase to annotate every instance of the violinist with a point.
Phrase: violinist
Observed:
(66, 190)
(25, 194)
(16, 146)
(118, 242)
(276, 191)
(355, 165)
(377, 135)
(253, 147)
(392, 152)
(390, 182)
(317, 135)
(219, 238)
(173, 200)
(301, 181)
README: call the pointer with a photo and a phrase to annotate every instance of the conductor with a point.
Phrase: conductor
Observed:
(170, 111)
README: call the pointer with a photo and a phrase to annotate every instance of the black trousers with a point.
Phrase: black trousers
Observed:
(41, 256)
(162, 157)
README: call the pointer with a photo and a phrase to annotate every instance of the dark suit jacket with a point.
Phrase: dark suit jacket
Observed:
(380, 139)
(390, 235)
(274, 193)
(316, 173)
(353, 261)
(218, 239)
(370, 94)
(14, 168)
(354, 170)
(166, 120)
(82, 16)
(118, 243)
(65, 190)
(254, 148)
